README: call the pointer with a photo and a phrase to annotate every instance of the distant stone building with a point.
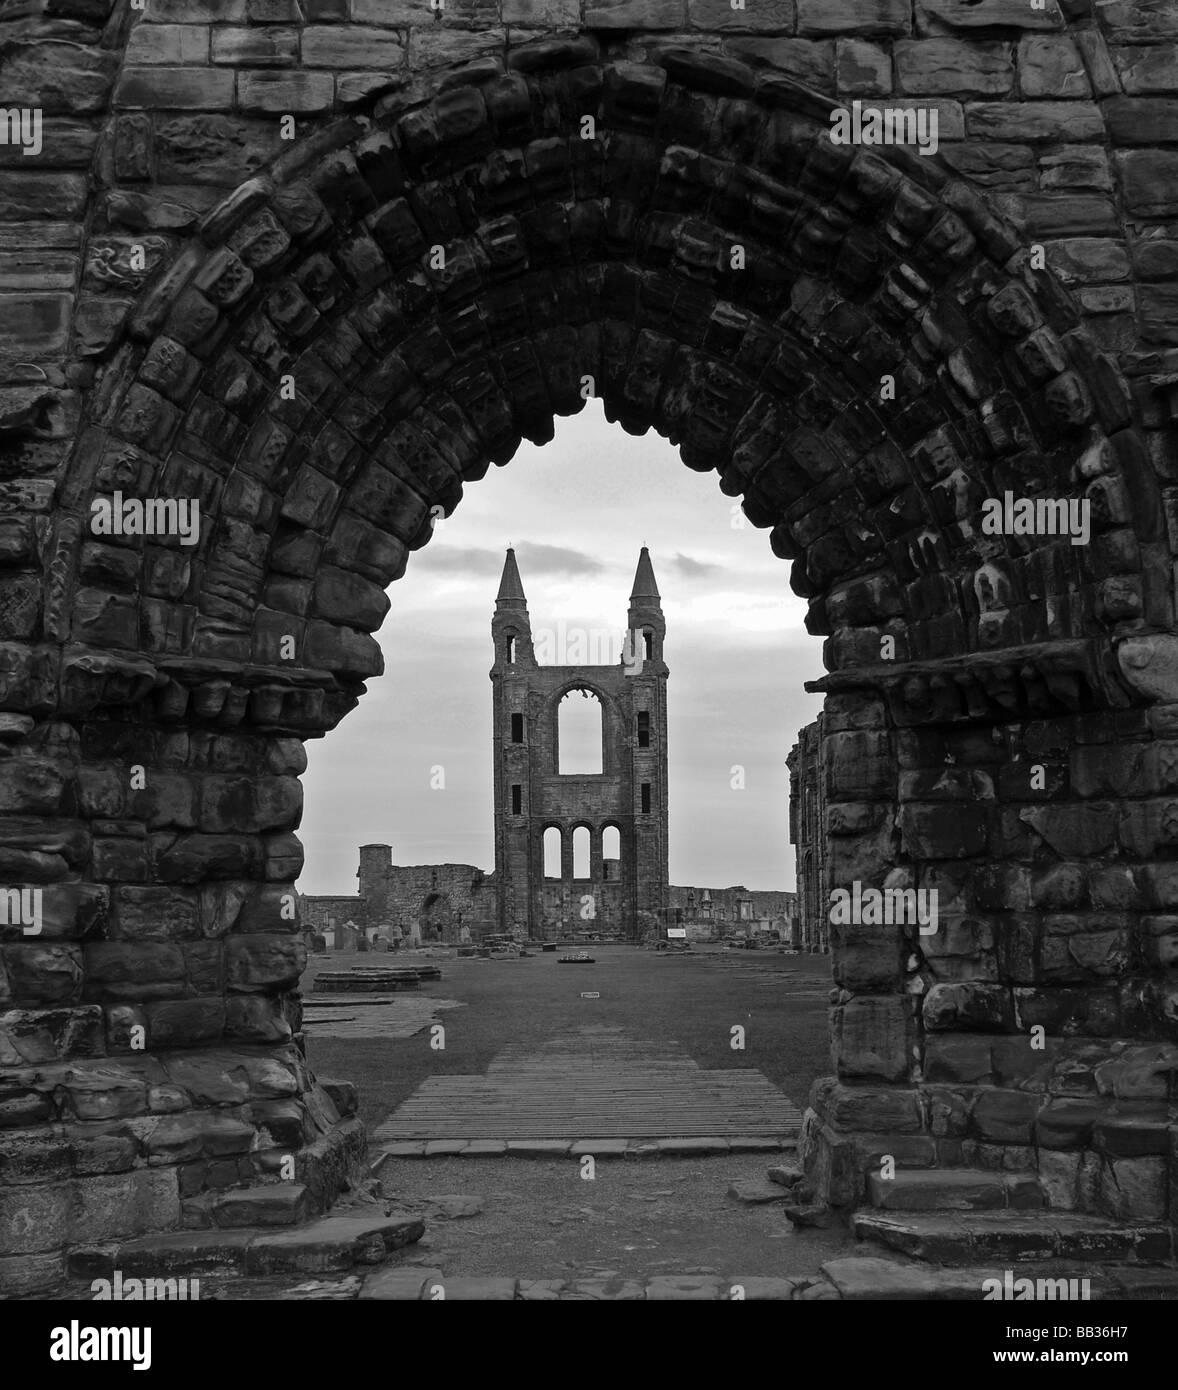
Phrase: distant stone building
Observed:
(548, 883)
(425, 902)
(807, 833)
(618, 813)
(738, 911)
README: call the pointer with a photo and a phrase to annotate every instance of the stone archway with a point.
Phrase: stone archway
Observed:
(324, 384)
(436, 914)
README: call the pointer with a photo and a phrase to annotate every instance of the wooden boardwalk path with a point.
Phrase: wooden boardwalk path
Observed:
(593, 1083)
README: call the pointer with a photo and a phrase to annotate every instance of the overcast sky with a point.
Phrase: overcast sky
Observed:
(577, 511)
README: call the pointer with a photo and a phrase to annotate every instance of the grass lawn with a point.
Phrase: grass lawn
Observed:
(540, 1218)
(695, 1000)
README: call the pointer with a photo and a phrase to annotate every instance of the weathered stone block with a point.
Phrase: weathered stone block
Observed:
(36, 1218)
(168, 43)
(864, 18)
(264, 963)
(968, 1007)
(1067, 1123)
(1034, 121)
(175, 89)
(934, 831)
(1133, 1188)
(1059, 1177)
(41, 974)
(282, 93)
(1147, 71)
(32, 1036)
(953, 67)
(871, 1038)
(124, 1204)
(958, 1059)
(185, 1022)
(54, 76)
(351, 46)
(255, 47)
(1149, 180)
(125, 971)
(1051, 66)
(1005, 1117)
(808, 60)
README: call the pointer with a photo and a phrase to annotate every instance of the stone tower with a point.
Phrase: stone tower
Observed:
(629, 794)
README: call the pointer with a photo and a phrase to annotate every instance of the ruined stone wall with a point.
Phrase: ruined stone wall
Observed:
(321, 913)
(1066, 115)
(808, 828)
(421, 897)
(767, 904)
(193, 307)
(417, 898)
(1041, 1011)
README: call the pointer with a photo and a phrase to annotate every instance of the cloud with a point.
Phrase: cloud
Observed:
(472, 561)
(693, 569)
(477, 562)
(555, 559)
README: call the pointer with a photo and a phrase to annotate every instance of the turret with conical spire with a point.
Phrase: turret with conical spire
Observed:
(646, 610)
(644, 585)
(511, 588)
(511, 628)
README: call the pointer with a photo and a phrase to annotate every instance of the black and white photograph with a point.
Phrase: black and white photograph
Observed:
(588, 677)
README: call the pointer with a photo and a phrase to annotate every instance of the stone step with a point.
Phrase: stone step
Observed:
(862, 1278)
(689, 1146)
(955, 1189)
(330, 1243)
(966, 1237)
(268, 1204)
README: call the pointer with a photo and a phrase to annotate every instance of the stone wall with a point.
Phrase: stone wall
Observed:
(194, 307)
(722, 907)
(420, 898)
(807, 833)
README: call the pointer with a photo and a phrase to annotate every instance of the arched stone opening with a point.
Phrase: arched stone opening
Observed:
(436, 919)
(324, 386)
(579, 741)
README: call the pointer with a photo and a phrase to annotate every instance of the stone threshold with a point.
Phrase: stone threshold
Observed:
(687, 1147)
(854, 1278)
(332, 1243)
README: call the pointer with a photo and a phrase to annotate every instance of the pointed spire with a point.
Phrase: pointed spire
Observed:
(511, 589)
(644, 585)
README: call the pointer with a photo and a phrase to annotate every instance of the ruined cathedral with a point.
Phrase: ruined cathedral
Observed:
(544, 884)
(628, 796)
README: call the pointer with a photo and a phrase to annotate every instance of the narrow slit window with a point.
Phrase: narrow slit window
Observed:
(648, 639)
(517, 728)
(646, 798)
(511, 651)
(643, 728)
(517, 799)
